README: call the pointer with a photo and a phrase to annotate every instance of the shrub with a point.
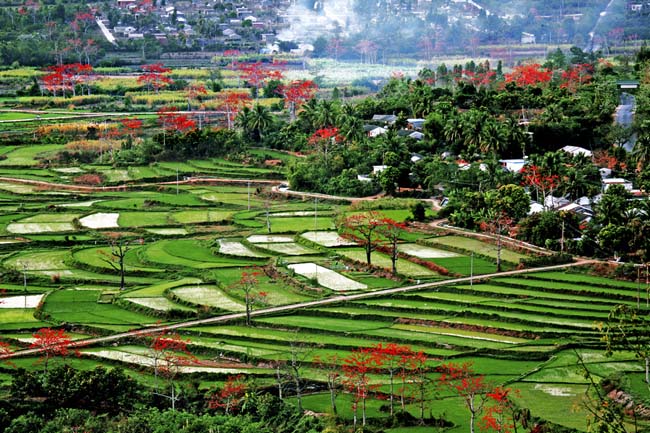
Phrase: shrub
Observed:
(90, 179)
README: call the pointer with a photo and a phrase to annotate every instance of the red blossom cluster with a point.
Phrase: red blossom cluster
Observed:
(576, 76)
(232, 103)
(529, 75)
(257, 75)
(52, 342)
(230, 397)
(325, 135)
(172, 120)
(296, 94)
(66, 77)
(154, 76)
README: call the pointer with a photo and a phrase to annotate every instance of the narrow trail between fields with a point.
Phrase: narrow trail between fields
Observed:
(87, 342)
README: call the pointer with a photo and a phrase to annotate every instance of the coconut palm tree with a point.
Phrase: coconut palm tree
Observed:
(259, 120)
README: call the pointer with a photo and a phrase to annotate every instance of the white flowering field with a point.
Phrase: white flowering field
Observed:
(100, 221)
(327, 277)
(265, 239)
(327, 239)
(210, 296)
(426, 252)
(29, 301)
(288, 248)
(236, 248)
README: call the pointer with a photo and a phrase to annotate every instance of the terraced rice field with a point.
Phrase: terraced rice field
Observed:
(187, 254)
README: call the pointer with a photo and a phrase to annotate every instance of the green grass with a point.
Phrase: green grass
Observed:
(463, 265)
(102, 257)
(143, 219)
(19, 318)
(27, 156)
(584, 279)
(81, 307)
(299, 224)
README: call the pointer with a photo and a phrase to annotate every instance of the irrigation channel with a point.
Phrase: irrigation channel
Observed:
(298, 306)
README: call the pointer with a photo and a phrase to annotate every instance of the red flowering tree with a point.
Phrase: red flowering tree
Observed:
(357, 368)
(323, 138)
(5, 352)
(576, 76)
(247, 284)
(230, 397)
(170, 354)
(501, 414)
(130, 127)
(173, 121)
(257, 75)
(463, 382)
(392, 358)
(232, 103)
(478, 79)
(542, 181)
(296, 94)
(391, 230)
(529, 75)
(364, 228)
(67, 77)
(155, 77)
(50, 343)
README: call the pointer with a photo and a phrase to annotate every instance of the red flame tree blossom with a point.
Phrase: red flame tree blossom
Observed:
(66, 77)
(296, 94)
(230, 397)
(576, 76)
(154, 77)
(357, 368)
(232, 103)
(173, 121)
(539, 179)
(363, 228)
(256, 75)
(323, 138)
(170, 354)
(247, 283)
(463, 382)
(51, 342)
(529, 75)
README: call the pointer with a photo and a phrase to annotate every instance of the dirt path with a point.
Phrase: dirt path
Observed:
(298, 306)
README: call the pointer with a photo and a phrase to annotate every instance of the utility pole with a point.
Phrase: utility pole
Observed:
(249, 195)
(471, 270)
(25, 282)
